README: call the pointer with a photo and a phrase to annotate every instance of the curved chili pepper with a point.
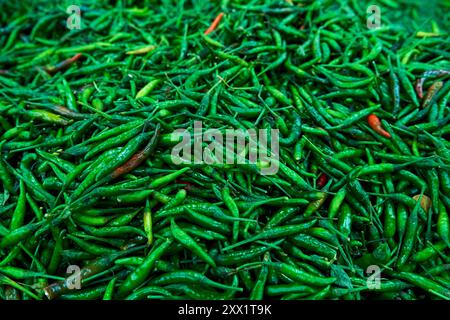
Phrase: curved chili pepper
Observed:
(431, 93)
(63, 64)
(375, 124)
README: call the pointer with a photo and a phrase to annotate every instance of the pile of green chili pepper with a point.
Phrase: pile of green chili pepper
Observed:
(359, 206)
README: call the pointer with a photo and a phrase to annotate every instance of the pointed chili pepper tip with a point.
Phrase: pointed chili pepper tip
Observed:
(375, 124)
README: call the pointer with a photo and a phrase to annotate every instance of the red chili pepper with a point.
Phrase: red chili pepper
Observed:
(138, 157)
(213, 26)
(322, 180)
(431, 93)
(63, 64)
(426, 75)
(375, 124)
